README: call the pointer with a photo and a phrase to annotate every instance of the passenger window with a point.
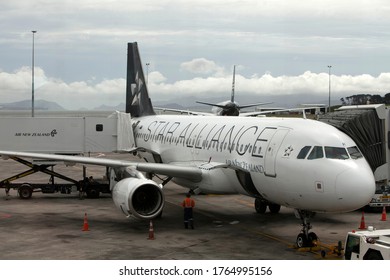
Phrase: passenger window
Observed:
(303, 153)
(336, 153)
(317, 152)
(99, 127)
(354, 152)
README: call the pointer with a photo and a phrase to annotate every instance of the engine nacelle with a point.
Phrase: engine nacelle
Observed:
(140, 197)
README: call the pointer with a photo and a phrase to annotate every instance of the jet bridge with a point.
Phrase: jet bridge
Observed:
(368, 126)
(63, 135)
(67, 135)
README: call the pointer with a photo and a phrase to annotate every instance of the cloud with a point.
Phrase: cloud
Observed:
(16, 86)
(17, 81)
(156, 77)
(72, 43)
(314, 84)
(201, 66)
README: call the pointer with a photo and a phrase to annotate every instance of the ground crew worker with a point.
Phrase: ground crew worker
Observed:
(188, 204)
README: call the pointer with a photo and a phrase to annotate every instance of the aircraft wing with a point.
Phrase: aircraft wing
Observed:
(187, 172)
(253, 114)
(258, 113)
(255, 104)
(186, 112)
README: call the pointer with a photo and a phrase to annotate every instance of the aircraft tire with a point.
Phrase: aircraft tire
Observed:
(260, 206)
(93, 192)
(313, 239)
(274, 208)
(25, 191)
(301, 240)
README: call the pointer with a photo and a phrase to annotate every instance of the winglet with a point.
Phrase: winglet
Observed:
(138, 103)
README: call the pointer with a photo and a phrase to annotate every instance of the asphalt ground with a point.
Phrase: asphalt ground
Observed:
(49, 226)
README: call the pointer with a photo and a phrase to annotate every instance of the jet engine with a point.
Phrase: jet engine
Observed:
(140, 197)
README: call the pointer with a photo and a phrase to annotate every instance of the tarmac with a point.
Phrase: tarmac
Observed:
(50, 227)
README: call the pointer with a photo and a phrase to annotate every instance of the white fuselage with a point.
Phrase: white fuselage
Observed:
(287, 161)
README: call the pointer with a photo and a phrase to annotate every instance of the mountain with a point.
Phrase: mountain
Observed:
(43, 105)
(278, 101)
(121, 107)
(26, 105)
(189, 102)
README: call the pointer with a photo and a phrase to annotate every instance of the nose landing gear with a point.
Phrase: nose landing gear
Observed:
(306, 238)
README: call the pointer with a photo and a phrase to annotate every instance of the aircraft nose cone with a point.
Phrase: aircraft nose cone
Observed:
(355, 188)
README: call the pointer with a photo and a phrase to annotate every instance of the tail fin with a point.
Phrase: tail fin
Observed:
(138, 103)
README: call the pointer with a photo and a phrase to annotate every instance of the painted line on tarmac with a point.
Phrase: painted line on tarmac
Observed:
(246, 203)
(322, 247)
(214, 217)
(315, 250)
(273, 237)
(5, 216)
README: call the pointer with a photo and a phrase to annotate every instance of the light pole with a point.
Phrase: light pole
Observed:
(147, 72)
(32, 91)
(329, 66)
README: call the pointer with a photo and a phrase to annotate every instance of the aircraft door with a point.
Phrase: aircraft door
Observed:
(272, 151)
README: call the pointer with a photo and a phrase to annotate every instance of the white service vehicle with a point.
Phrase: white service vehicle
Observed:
(370, 244)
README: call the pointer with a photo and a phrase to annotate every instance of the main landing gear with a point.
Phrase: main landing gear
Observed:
(262, 204)
(306, 238)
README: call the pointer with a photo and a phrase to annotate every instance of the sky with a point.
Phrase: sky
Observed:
(279, 47)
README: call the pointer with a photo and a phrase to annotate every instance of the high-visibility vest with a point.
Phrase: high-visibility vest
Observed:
(188, 203)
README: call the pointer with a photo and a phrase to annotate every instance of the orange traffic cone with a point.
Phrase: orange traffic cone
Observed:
(85, 226)
(151, 231)
(383, 214)
(362, 223)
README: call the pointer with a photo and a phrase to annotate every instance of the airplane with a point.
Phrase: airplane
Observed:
(230, 107)
(225, 108)
(298, 163)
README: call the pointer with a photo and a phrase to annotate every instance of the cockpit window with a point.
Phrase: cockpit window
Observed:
(303, 152)
(317, 152)
(336, 153)
(354, 152)
(330, 152)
